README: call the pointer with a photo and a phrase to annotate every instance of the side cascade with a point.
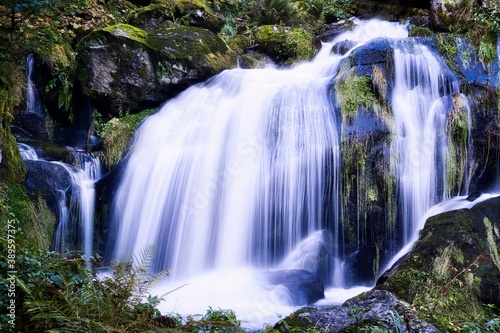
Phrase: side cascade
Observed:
(33, 102)
(421, 99)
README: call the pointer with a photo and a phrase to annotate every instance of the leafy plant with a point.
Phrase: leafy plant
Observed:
(265, 12)
(63, 294)
(214, 321)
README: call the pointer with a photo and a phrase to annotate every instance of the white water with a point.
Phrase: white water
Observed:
(27, 152)
(33, 102)
(420, 102)
(81, 210)
(231, 176)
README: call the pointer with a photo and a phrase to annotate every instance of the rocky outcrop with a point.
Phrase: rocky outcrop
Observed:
(372, 311)
(459, 252)
(126, 69)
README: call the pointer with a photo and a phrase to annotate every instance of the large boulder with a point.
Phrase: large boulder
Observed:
(285, 45)
(454, 267)
(126, 69)
(373, 311)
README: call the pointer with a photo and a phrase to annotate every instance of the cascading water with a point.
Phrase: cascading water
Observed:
(420, 102)
(33, 102)
(82, 203)
(235, 172)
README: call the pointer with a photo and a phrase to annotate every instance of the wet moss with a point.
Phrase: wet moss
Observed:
(286, 45)
(117, 134)
(354, 91)
(457, 129)
(36, 223)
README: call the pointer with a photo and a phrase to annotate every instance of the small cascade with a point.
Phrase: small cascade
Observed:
(421, 99)
(27, 152)
(80, 212)
(33, 102)
(82, 201)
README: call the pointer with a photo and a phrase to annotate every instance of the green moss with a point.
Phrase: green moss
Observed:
(34, 220)
(285, 45)
(446, 45)
(417, 31)
(128, 31)
(117, 134)
(491, 233)
(487, 51)
(12, 168)
(457, 129)
(354, 91)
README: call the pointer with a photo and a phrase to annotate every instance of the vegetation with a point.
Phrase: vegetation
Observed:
(61, 292)
(117, 134)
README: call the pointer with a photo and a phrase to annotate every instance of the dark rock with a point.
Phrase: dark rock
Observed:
(32, 123)
(51, 181)
(465, 240)
(304, 287)
(343, 47)
(364, 313)
(126, 69)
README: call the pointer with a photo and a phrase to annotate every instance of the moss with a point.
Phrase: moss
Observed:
(457, 129)
(417, 31)
(492, 233)
(285, 45)
(446, 45)
(354, 91)
(487, 52)
(12, 168)
(128, 31)
(35, 222)
(117, 134)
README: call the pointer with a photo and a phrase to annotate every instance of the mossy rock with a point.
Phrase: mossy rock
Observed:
(12, 169)
(455, 265)
(126, 69)
(286, 45)
(186, 13)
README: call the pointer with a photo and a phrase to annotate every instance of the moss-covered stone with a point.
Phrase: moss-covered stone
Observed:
(117, 134)
(35, 223)
(12, 169)
(286, 45)
(453, 268)
(457, 159)
(125, 69)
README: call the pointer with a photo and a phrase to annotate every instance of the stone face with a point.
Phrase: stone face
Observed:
(126, 69)
(367, 312)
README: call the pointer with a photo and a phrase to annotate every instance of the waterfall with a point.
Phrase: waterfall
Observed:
(33, 102)
(27, 152)
(240, 171)
(82, 202)
(80, 211)
(420, 102)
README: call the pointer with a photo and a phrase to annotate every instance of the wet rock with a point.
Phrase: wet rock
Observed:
(302, 287)
(458, 245)
(367, 312)
(49, 180)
